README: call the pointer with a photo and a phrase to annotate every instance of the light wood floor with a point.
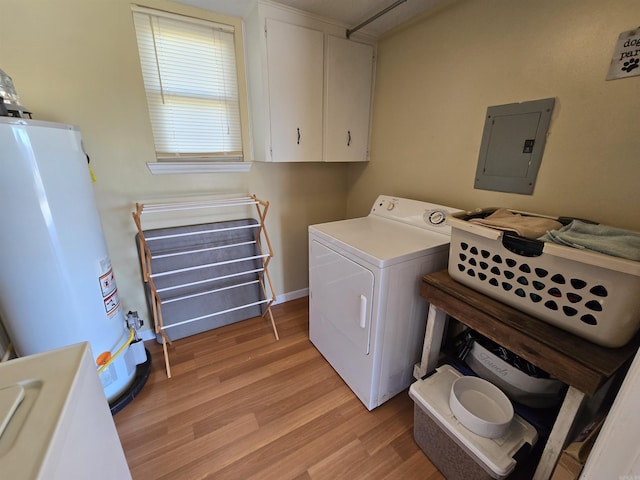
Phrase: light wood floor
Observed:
(242, 406)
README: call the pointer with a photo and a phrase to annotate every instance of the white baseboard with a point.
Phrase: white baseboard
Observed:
(148, 334)
(286, 297)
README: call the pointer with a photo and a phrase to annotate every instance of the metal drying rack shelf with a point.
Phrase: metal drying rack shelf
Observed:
(166, 295)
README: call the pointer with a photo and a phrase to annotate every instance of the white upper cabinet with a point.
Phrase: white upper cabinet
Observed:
(310, 88)
(295, 64)
(349, 70)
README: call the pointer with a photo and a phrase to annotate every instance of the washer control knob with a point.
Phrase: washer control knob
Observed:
(391, 205)
(435, 217)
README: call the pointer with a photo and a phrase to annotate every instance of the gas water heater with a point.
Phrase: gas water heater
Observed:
(57, 286)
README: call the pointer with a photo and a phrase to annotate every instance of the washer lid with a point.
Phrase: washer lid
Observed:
(35, 428)
(10, 399)
(380, 241)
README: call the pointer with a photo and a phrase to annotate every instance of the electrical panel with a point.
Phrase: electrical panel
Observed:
(512, 145)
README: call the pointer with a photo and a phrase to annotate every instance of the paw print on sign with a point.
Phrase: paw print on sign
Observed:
(631, 65)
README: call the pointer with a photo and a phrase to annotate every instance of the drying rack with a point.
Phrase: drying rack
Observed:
(158, 296)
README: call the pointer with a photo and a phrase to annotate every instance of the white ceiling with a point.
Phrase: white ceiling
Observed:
(349, 12)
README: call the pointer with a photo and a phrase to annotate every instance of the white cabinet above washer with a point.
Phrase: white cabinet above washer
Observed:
(348, 74)
(294, 76)
(310, 89)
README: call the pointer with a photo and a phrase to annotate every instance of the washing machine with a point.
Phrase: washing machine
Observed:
(366, 316)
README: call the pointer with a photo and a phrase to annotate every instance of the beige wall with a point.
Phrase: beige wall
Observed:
(436, 78)
(76, 61)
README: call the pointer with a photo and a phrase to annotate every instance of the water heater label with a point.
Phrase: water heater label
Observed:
(109, 292)
(111, 303)
(108, 284)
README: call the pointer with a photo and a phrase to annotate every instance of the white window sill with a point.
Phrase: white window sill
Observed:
(174, 168)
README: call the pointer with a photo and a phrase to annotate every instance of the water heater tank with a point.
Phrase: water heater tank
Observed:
(57, 286)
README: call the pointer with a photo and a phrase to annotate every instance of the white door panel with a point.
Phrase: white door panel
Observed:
(348, 104)
(295, 66)
(342, 294)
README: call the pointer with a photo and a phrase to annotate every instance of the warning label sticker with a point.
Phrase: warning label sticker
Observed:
(108, 284)
(109, 292)
(112, 302)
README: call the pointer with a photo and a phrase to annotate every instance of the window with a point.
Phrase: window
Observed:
(191, 82)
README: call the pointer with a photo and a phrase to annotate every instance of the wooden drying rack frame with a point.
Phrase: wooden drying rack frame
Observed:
(146, 257)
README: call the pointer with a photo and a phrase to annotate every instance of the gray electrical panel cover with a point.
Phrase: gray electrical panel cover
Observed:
(512, 145)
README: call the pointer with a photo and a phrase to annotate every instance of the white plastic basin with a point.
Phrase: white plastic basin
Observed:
(481, 406)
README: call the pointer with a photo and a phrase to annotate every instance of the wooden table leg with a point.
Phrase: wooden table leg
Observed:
(573, 402)
(436, 321)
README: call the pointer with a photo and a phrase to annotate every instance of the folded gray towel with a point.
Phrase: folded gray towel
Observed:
(597, 237)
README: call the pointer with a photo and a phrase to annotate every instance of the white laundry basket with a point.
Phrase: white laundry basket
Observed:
(593, 295)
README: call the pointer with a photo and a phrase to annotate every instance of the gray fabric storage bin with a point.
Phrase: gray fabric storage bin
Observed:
(452, 461)
(456, 451)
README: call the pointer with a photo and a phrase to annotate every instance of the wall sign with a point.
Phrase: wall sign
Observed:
(626, 56)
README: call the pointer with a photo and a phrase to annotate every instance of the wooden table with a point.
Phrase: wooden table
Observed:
(583, 365)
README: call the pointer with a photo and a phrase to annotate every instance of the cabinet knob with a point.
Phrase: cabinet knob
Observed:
(298, 136)
(349, 138)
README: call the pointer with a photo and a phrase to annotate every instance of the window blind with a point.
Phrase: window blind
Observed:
(190, 78)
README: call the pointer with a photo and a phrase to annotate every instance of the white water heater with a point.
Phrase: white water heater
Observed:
(57, 286)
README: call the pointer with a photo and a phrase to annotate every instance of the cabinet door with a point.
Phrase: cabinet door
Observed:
(295, 66)
(349, 77)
